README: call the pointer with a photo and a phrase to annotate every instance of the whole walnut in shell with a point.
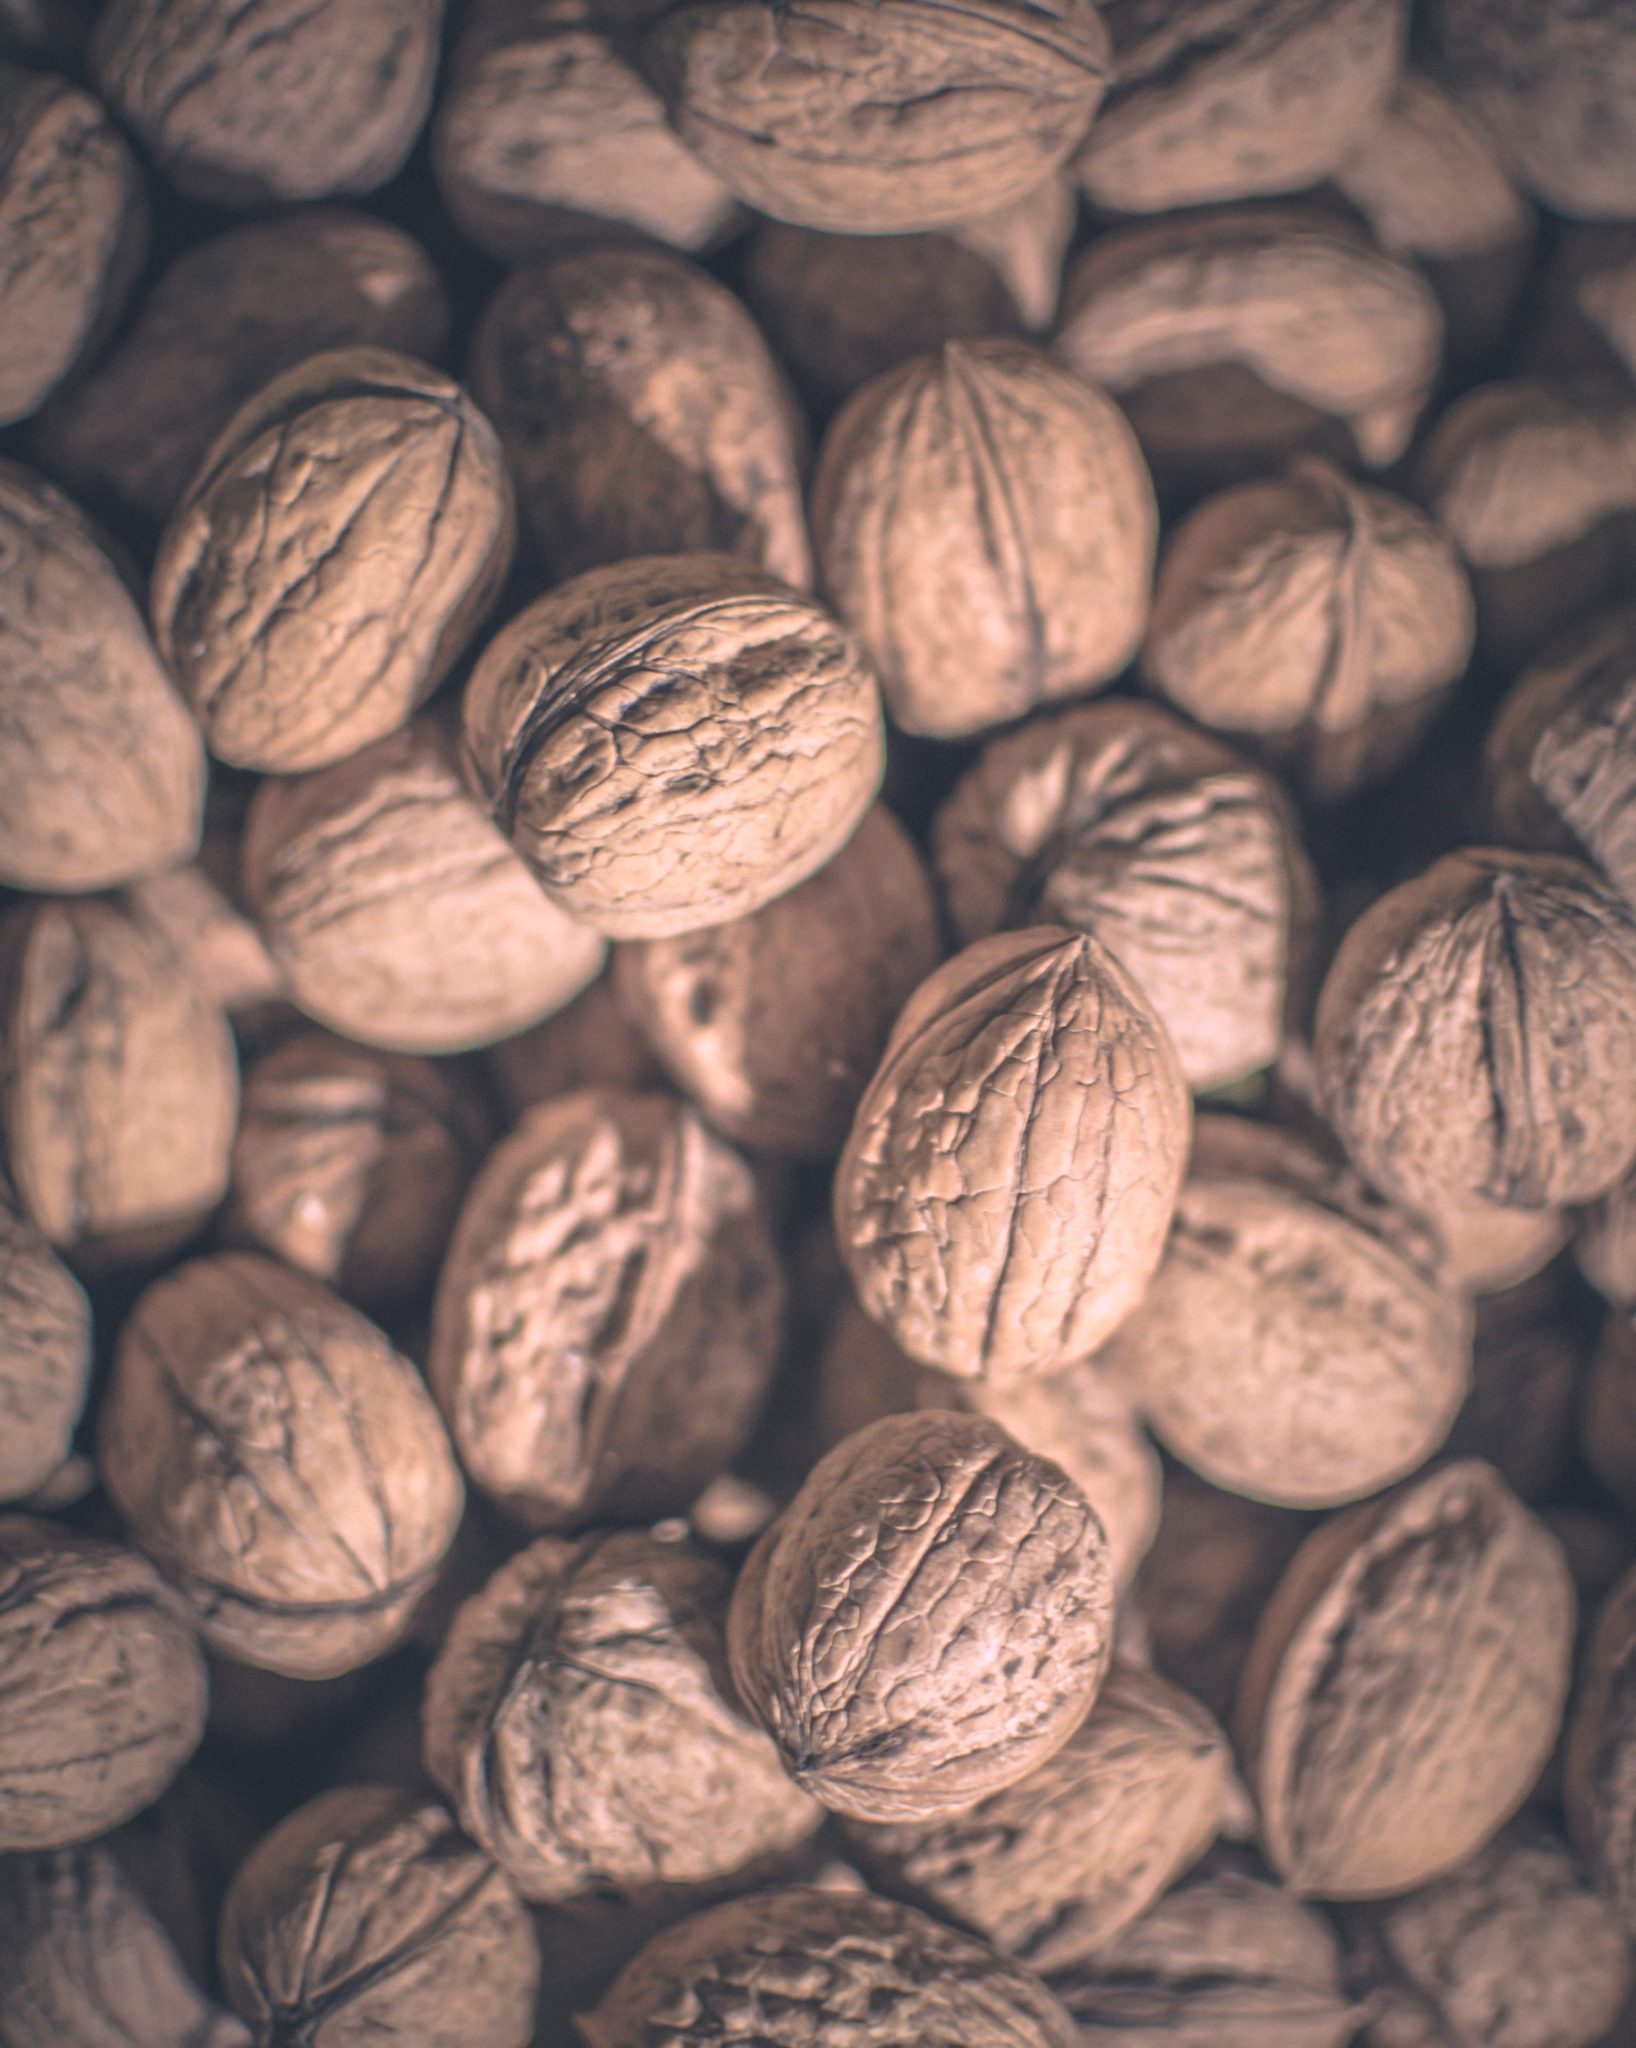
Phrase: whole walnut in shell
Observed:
(280, 1462)
(45, 1354)
(1599, 1777)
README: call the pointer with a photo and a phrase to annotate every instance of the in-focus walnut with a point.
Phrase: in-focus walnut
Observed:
(1317, 618)
(253, 102)
(1599, 1775)
(880, 116)
(1406, 1686)
(104, 1685)
(282, 1464)
(1003, 1198)
(822, 1969)
(1183, 860)
(45, 1355)
(397, 913)
(582, 1723)
(328, 563)
(984, 522)
(607, 1319)
(1528, 1368)
(590, 1044)
(673, 741)
(642, 415)
(928, 1620)
(1607, 1424)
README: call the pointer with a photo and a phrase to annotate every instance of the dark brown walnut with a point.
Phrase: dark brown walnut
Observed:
(773, 1023)
(590, 1044)
(1003, 1198)
(1318, 619)
(1473, 1037)
(54, 29)
(101, 1684)
(1607, 1424)
(256, 102)
(822, 1969)
(984, 522)
(396, 912)
(222, 948)
(1406, 1686)
(280, 1462)
(1182, 859)
(328, 563)
(581, 1721)
(928, 1620)
(641, 414)
(1605, 1243)
(1599, 1777)
(880, 116)
(45, 1354)
(1529, 1365)
(607, 1319)
(673, 741)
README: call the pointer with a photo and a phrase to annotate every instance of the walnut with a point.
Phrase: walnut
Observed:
(880, 116)
(252, 102)
(1319, 619)
(105, 1687)
(1025, 243)
(1587, 313)
(673, 741)
(1528, 1368)
(1003, 1199)
(928, 1620)
(642, 415)
(349, 527)
(1183, 860)
(397, 913)
(1599, 1777)
(282, 1464)
(607, 1319)
(1486, 1249)
(1406, 1685)
(1605, 1243)
(1607, 1431)
(45, 1355)
(590, 1044)
(985, 523)
(222, 948)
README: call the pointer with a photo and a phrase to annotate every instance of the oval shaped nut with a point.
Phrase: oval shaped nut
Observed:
(397, 913)
(103, 1683)
(1599, 1774)
(1003, 1199)
(1473, 1037)
(673, 741)
(985, 523)
(346, 532)
(581, 1720)
(281, 1463)
(822, 1969)
(607, 1319)
(927, 1621)
(1406, 1685)
(102, 767)
(45, 1355)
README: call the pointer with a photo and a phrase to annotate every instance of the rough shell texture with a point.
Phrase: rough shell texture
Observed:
(984, 522)
(398, 914)
(102, 1688)
(581, 1720)
(881, 116)
(281, 1463)
(1406, 1685)
(1599, 1780)
(102, 766)
(327, 564)
(642, 415)
(673, 742)
(1003, 1199)
(608, 1315)
(927, 1621)
(45, 1355)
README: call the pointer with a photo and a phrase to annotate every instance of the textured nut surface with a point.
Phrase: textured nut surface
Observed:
(1599, 1777)
(45, 1354)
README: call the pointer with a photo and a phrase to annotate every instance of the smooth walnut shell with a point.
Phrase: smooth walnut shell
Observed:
(103, 1689)
(1486, 1249)
(397, 913)
(641, 414)
(607, 1319)
(1003, 1199)
(928, 1620)
(343, 537)
(985, 523)
(45, 1355)
(1599, 1778)
(280, 1462)
(581, 1720)
(1406, 1685)
(880, 116)
(673, 741)
(102, 767)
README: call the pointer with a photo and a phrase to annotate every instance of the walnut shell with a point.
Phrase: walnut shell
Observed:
(673, 741)
(222, 948)
(104, 1690)
(590, 1044)
(280, 1462)
(45, 1355)
(1406, 1685)
(1003, 1198)
(1599, 1776)
(1605, 1243)
(985, 524)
